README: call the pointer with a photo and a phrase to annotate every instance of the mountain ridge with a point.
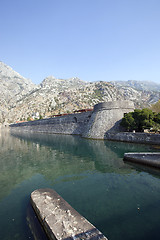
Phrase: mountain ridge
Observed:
(143, 85)
(21, 99)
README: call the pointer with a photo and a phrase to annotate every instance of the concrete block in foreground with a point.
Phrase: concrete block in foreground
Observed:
(59, 219)
(146, 158)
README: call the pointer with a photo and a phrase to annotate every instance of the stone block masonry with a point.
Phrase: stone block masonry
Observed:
(94, 124)
(68, 124)
(101, 123)
(59, 220)
(144, 138)
(106, 118)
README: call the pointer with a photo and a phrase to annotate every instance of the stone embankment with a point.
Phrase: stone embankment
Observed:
(149, 159)
(94, 124)
(59, 220)
(101, 123)
(145, 138)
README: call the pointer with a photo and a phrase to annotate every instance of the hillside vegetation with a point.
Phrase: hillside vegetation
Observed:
(140, 120)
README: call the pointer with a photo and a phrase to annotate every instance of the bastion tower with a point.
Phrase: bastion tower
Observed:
(106, 118)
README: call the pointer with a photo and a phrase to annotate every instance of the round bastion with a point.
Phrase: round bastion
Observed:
(106, 118)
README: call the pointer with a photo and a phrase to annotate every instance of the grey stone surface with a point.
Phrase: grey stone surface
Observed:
(149, 159)
(59, 219)
(147, 138)
(101, 123)
(114, 105)
(69, 124)
(104, 118)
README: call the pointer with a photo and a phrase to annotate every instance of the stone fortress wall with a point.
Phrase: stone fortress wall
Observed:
(101, 123)
(95, 124)
(68, 124)
(106, 118)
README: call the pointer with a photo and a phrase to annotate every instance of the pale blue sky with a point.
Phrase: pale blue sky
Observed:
(90, 39)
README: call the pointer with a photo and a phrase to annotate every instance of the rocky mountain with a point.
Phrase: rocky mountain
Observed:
(49, 100)
(21, 99)
(61, 84)
(12, 84)
(146, 92)
(13, 87)
(138, 85)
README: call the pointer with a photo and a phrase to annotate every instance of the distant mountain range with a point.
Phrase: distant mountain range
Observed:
(138, 85)
(20, 99)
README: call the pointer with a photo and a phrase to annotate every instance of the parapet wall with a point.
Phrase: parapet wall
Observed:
(95, 124)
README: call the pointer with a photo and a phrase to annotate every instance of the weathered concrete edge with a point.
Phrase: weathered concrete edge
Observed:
(148, 159)
(46, 217)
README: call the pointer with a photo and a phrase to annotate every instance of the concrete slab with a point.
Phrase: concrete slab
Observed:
(146, 158)
(60, 220)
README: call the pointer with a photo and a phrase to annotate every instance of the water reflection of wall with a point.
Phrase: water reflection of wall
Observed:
(21, 159)
(92, 150)
(102, 157)
(24, 155)
(89, 174)
(104, 153)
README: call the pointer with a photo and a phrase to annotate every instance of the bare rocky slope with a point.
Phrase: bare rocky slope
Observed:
(138, 85)
(13, 87)
(20, 99)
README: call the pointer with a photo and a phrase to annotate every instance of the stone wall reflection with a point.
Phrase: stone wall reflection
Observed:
(23, 155)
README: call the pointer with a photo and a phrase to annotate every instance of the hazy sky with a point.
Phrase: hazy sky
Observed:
(90, 39)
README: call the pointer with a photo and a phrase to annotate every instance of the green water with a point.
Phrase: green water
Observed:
(121, 200)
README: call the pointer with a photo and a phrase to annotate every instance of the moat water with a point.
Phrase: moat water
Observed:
(120, 199)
